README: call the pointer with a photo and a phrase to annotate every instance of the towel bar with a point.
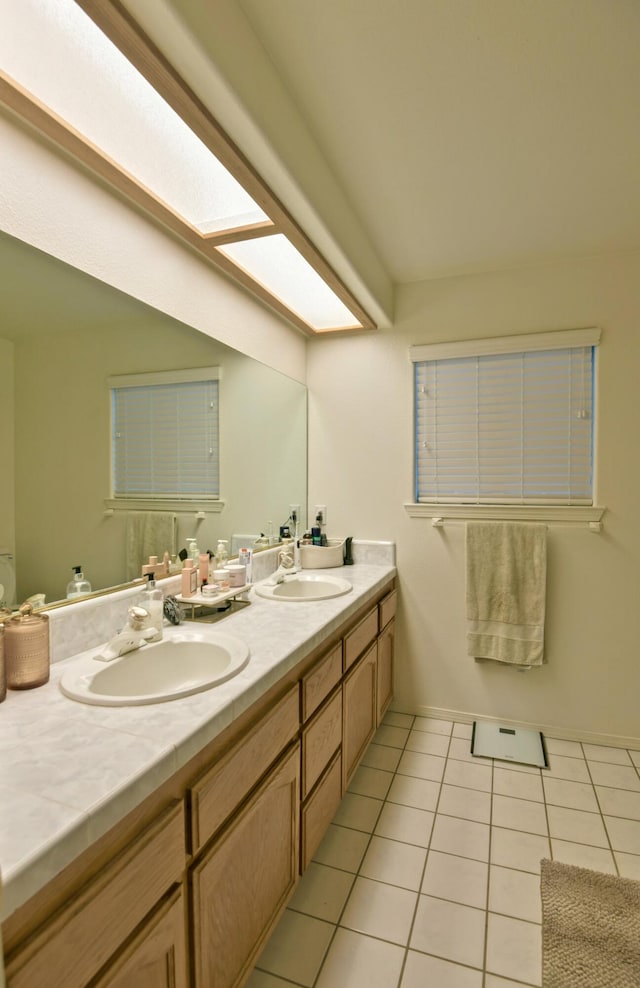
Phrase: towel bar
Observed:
(593, 526)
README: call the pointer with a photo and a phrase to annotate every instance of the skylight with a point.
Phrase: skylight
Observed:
(80, 75)
(56, 52)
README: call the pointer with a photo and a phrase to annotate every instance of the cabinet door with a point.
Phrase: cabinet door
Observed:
(385, 669)
(359, 712)
(157, 956)
(244, 881)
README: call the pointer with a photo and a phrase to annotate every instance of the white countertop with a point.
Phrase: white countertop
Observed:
(70, 771)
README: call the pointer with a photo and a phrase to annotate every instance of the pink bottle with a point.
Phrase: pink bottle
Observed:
(203, 568)
(189, 578)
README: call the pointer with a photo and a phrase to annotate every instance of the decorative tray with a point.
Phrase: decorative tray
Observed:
(212, 600)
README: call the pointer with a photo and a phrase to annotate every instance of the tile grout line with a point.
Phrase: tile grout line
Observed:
(426, 860)
(336, 925)
(604, 823)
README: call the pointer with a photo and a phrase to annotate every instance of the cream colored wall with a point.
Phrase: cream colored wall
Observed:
(62, 434)
(360, 443)
(7, 496)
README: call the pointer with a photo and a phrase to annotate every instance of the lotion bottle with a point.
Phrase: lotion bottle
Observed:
(189, 578)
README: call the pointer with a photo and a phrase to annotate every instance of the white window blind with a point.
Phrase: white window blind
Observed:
(509, 424)
(165, 435)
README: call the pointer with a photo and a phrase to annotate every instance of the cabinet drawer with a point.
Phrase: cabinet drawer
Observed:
(319, 811)
(318, 683)
(224, 786)
(320, 740)
(387, 609)
(360, 638)
(157, 957)
(70, 950)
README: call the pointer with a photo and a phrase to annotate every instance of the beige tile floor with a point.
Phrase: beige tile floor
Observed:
(429, 874)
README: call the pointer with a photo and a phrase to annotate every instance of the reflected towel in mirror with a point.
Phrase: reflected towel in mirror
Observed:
(149, 533)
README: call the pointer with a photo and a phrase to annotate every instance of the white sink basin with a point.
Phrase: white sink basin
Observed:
(189, 662)
(305, 586)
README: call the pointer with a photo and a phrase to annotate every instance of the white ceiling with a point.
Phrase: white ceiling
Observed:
(470, 135)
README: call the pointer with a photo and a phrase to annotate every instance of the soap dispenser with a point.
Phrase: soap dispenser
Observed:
(78, 586)
(152, 600)
(222, 553)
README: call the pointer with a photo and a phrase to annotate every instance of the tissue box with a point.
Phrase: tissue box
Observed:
(322, 556)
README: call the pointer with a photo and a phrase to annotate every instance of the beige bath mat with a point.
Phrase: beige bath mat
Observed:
(590, 928)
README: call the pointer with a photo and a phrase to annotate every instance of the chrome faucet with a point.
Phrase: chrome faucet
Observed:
(132, 636)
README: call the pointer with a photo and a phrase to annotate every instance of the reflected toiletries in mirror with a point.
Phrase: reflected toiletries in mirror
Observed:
(62, 335)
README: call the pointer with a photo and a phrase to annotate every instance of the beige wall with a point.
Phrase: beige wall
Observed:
(360, 442)
(7, 498)
(63, 439)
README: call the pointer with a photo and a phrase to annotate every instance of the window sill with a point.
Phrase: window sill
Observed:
(112, 504)
(568, 514)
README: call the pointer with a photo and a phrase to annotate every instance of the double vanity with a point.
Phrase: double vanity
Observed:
(156, 843)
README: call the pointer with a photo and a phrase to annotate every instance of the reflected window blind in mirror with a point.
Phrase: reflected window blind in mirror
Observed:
(165, 435)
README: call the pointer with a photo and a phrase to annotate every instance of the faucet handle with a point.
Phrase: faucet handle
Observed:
(137, 616)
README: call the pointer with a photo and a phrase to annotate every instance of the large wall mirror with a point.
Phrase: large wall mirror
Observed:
(62, 335)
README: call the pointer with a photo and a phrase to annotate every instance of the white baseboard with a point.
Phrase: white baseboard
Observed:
(548, 730)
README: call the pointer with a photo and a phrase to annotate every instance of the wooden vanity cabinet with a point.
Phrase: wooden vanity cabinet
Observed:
(186, 890)
(242, 883)
(86, 934)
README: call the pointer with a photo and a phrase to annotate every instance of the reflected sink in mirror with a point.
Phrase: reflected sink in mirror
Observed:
(305, 586)
(189, 662)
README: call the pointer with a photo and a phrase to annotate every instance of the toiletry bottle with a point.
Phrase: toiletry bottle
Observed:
(152, 600)
(189, 578)
(244, 558)
(203, 568)
(222, 553)
(78, 586)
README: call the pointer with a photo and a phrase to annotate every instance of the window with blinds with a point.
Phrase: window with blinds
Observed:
(506, 421)
(165, 435)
